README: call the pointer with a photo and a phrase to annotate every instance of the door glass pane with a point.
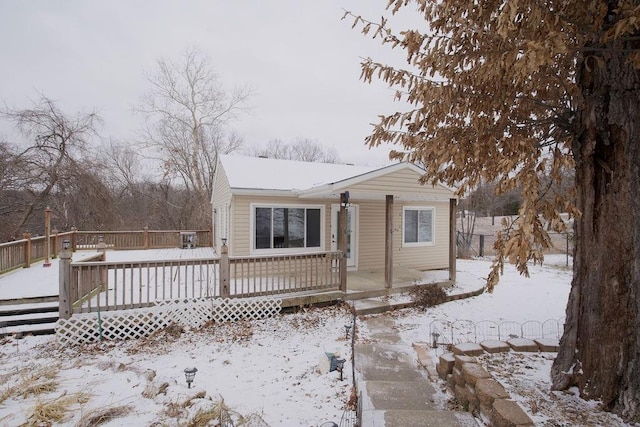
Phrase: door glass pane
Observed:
(348, 250)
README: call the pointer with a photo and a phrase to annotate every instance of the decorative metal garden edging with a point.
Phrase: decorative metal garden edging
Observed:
(448, 332)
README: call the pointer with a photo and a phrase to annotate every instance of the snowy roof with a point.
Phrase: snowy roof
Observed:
(276, 174)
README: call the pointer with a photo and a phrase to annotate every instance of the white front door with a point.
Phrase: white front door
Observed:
(352, 232)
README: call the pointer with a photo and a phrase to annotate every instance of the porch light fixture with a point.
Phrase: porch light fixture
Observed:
(190, 374)
(346, 331)
(435, 337)
(344, 199)
(224, 240)
(65, 244)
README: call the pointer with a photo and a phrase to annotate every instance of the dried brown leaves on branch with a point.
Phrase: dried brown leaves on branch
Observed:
(490, 96)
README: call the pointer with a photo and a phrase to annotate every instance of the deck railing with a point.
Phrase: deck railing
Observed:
(107, 286)
(254, 276)
(141, 239)
(22, 253)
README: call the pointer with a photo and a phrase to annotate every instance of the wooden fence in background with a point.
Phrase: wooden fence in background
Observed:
(21, 253)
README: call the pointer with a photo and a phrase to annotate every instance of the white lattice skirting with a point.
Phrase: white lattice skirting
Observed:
(137, 323)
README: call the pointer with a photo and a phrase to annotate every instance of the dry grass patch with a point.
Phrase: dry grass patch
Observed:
(100, 416)
(56, 410)
(221, 414)
(29, 382)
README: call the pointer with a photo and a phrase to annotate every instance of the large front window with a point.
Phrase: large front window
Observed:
(418, 226)
(287, 227)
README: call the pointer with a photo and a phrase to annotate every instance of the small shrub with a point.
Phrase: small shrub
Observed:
(428, 296)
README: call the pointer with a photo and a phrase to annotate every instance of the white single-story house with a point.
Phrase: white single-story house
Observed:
(267, 206)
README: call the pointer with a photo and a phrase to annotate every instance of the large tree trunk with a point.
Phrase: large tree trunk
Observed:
(600, 349)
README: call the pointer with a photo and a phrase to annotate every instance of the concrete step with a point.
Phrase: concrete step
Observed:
(373, 306)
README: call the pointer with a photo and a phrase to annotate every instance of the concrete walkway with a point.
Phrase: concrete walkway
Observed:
(395, 391)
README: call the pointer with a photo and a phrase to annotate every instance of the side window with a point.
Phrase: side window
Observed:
(418, 224)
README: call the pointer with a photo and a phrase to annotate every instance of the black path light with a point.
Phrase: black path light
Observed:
(340, 366)
(347, 328)
(435, 337)
(190, 374)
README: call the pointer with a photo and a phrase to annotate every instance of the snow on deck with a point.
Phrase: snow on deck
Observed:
(39, 281)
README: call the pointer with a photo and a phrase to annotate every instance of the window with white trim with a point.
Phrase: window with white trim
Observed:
(418, 226)
(286, 227)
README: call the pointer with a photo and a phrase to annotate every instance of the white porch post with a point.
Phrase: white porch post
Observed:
(342, 246)
(452, 240)
(388, 243)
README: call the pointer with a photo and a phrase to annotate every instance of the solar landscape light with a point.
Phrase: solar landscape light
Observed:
(346, 331)
(190, 374)
(435, 337)
(340, 366)
(66, 244)
(335, 363)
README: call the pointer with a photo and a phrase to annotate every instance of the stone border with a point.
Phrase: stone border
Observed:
(473, 386)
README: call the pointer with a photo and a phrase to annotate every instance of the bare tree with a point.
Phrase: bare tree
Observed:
(187, 114)
(518, 91)
(302, 149)
(49, 158)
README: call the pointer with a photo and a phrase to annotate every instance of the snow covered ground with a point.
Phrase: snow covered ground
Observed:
(269, 370)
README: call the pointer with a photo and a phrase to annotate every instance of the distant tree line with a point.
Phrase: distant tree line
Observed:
(162, 180)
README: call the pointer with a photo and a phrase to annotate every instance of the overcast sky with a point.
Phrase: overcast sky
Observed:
(302, 60)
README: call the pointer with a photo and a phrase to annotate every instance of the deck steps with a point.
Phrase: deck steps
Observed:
(20, 319)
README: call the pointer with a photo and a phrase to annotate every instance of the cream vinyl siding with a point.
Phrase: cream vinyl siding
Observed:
(242, 219)
(404, 182)
(372, 222)
(371, 219)
(423, 257)
(220, 204)
(372, 235)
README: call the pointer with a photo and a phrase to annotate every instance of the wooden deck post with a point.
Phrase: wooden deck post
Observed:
(388, 243)
(47, 237)
(145, 237)
(55, 243)
(224, 270)
(64, 282)
(344, 200)
(74, 238)
(452, 239)
(27, 249)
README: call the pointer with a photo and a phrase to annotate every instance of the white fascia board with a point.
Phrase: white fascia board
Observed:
(263, 192)
(346, 183)
(337, 187)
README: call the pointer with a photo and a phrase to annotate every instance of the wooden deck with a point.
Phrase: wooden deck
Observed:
(38, 283)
